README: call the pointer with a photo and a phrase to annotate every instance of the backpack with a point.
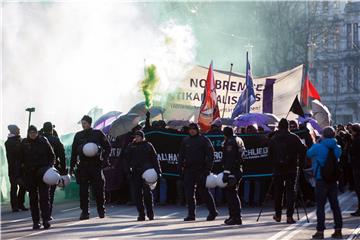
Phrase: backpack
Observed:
(330, 172)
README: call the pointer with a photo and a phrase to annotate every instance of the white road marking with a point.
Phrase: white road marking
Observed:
(18, 220)
(169, 215)
(293, 233)
(303, 223)
(354, 233)
(142, 224)
(70, 209)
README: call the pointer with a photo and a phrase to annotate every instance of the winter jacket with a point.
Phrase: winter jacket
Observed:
(13, 155)
(140, 157)
(90, 136)
(319, 152)
(196, 154)
(36, 153)
(233, 148)
(285, 152)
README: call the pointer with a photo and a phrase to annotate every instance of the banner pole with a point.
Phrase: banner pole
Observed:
(246, 77)
(227, 90)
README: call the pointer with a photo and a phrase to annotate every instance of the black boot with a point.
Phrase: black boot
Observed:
(290, 220)
(337, 234)
(318, 235)
(84, 216)
(101, 213)
(189, 218)
(46, 224)
(36, 226)
(150, 215)
(141, 218)
(234, 221)
(212, 216)
(226, 220)
(23, 208)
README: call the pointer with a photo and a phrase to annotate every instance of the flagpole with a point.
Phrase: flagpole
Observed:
(246, 77)
(227, 90)
(287, 115)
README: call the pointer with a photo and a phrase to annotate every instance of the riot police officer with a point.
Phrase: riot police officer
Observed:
(196, 160)
(140, 156)
(89, 168)
(37, 154)
(60, 160)
(233, 147)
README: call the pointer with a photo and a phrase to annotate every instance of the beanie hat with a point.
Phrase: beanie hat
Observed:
(12, 128)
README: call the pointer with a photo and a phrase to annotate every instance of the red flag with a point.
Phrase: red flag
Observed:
(209, 110)
(309, 91)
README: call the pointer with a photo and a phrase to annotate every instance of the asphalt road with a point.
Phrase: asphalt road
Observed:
(120, 223)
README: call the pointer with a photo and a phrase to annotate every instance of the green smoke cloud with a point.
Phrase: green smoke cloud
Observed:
(149, 83)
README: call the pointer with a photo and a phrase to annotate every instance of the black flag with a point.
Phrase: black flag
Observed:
(296, 107)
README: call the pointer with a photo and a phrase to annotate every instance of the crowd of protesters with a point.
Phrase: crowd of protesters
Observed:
(297, 152)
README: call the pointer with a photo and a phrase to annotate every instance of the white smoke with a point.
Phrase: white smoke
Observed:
(66, 57)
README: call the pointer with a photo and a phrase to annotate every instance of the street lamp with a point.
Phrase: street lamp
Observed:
(30, 110)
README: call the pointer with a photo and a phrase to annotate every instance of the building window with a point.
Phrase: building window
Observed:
(325, 38)
(356, 36)
(356, 77)
(326, 6)
(325, 80)
(337, 38)
(348, 36)
(350, 83)
(336, 84)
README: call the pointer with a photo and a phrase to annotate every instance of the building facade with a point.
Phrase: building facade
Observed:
(334, 66)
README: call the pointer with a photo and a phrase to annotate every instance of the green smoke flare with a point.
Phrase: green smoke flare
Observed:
(149, 83)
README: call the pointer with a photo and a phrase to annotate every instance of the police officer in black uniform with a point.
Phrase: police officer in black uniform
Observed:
(196, 160)
(17, 190)
(140, 155)
(36, 155)
(89, 169)
(60, 160)
(233, 147)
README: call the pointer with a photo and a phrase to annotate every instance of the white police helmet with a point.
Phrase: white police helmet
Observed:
(219, 180)
(64, 180)
(150, 176)
(51, 176)
(211, 181)
(90, 149)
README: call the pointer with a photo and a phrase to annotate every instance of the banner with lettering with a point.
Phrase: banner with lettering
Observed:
(274, 94)
(256, 163)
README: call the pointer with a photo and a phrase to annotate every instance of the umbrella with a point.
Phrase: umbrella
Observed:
(177, 124)
(106, 119)
(321, 113)
(140, 109)
(261, 119)
(124, 124)
(312, 122)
